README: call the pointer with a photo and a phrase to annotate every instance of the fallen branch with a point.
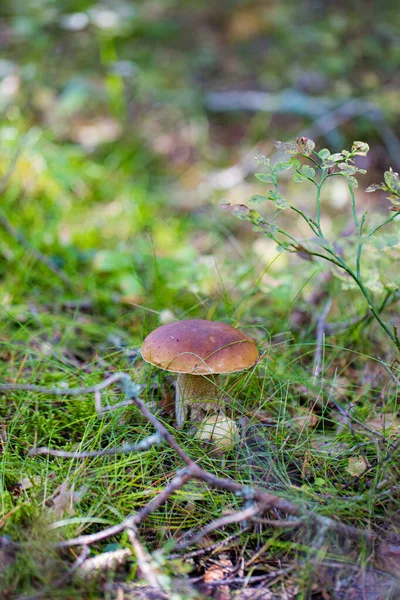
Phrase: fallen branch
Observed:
(142, 446)
(106, 561)
(257, 501)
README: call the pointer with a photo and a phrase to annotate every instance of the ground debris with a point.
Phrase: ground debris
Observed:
(104, 562)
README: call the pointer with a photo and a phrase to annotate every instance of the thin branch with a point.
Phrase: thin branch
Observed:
(236, 517)
(209, 549)
(104, 562)
(389, 371)
(142, 446)
(144, 559)
(78, 391)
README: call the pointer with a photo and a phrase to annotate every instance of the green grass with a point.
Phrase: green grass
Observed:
(277, 451)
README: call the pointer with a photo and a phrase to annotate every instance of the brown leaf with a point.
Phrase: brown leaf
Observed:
(387, 558)
(386, 422)
(218, 571)
(253, 594)
(356, 466)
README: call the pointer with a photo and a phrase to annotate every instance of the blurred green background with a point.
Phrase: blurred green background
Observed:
(135, 119)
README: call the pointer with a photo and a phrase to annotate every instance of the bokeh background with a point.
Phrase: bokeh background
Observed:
(134, 120)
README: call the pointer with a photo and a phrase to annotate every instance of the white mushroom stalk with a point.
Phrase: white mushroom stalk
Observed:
(195, 397)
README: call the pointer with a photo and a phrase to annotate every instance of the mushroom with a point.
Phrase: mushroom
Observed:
(198, 351)
(218, 430)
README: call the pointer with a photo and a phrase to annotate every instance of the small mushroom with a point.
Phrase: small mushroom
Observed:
(198, 351)
(218, 430)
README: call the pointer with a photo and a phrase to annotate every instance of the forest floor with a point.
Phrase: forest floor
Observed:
(111, 226)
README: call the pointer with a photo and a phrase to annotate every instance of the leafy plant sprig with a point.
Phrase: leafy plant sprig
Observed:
(320, 167)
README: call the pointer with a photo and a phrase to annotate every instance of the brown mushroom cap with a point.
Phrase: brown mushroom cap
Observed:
(199, 347)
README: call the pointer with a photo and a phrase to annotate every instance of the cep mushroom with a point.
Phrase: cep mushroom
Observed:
(198, 351)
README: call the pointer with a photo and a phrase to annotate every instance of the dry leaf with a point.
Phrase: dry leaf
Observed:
(305, 420)
(356, 466)
(387, 558)
(64, 501)
(218, 571)
(253, 594)
(386, 422)
(27, 482)
(222, 593)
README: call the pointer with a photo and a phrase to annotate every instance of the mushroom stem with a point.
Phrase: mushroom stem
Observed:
(196, 396)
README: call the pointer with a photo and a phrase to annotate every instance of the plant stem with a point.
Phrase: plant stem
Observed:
(360, 245)
(308, 221)
(311, 159)
(318, 201)
(353, 208)
(389, 220)
(366, 295)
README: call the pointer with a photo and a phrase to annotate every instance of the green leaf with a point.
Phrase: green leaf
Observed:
(324, 153)
(255, 217)
(271, 228)
(257, 198)
(360, 148)
(346, 168)
(298, 178)
(238, 210)
(336, 157)
(394, 199)
(351, 181)
(265, 177)
(392, 181)
(374, 187)
(295, 162)
(279, 167)
(279, 201)
(308, 172)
